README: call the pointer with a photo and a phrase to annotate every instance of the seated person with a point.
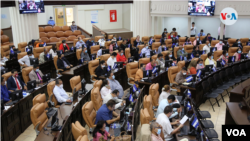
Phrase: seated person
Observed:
(99, 70)
(171, 35)
(210, 60)
(170, 56)
(99, 52)
(100, 131)
(105, 88)
(60, 93)
(196, 52)
(114, 96)
(160, 61)
(192, 67)
(112, 46)
(41, 56)
(201, 33)
(101, 41)
(5, 93)
(164, 33)
(165, 102)
(156, 132)
(146, 50)
(165, 93)
(220, 45)
(162, 47)
(196, 42)
(63, 46)
(53, 51)
(200, 64)
(151, 64)
(79, 43)
(36, 74)
(150, 41)
(73, 27)
(139, 73)
(237, 55)
(163, 120)
(14, 82)
(224, 56)
(137, 41)
(106, 113)
(27, 48)
(238, 44)
(63, 63)
(207, 47)
(181, 76)
(207, 38)
(121, 57)
(123, 45)
(112, 59)
(114, 38)
(40, 43)
(187, 42)
(115, 85)
(182, 52)
(85, 55)
(25, 61)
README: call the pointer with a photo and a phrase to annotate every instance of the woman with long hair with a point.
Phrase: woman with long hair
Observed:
(100, 132)
(192, 67)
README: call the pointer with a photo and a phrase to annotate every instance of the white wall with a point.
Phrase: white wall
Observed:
(126, 16)
(43, 18)
(239, 30)
(180, 23)
(5, 17)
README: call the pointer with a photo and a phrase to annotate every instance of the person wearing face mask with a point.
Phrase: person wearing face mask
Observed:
(201, 33)
(187, 42)
(105, 90)
(164, 32)
(163, 120)
(101, 41)
(220, 45)
(101, 131)
(14, 82)
(199, 64)
(196, 52)
(63, 46)
(207, 38)
(114, 38)
(193, 30)
(112, 46)
(160, 61)
(170, 56)
(25, 61)
(156, 132)
(139, 73)
(151, 64)
(181, 76)
(29, 47)
(73, 26)
(5, 93)
(196, 42)
(238, 44)
(224, 56)
(182, 52)
(80, 43)
(43, 55)
(99, 71)
(53, 51)
(40, 43)
(237, 55)
(36, 74)
(192, 67)
(165, 93)
(112, 59)
(146, 50)
(120, 57)
(162, 47)
(171, 35)
(210, 60)
(114, 95)
(137, 41)
(60, 93)
(207, 47)
(51, 21)
(63, 63)
(114, 84)
(85, 55)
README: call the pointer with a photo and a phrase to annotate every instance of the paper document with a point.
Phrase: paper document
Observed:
(183, 120)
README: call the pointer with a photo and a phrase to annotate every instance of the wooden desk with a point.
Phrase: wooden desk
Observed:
(48, 67)
(71, 57)
(68, 114)
(236, 94)
(235, 115)
(12, 64)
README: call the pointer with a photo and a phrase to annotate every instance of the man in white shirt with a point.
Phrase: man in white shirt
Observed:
(80, 43)
(207, 47)
(101, 41)
(25, 61)
(113, 96)
(193, 30)
(223, 32)
(146, 50)
(163, 120)
(60, 93)
(112, 59)
(99, 52)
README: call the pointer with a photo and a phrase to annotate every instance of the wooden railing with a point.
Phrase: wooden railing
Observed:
(97, 32)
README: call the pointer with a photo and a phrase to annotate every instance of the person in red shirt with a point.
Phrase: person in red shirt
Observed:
(63, 46)
(121, 57)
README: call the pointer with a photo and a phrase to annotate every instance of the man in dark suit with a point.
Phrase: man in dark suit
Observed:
(14, 82)
(207, 38)
(99, 71)
(238, 44)
(36, 74)
(123, 45)
(63, 63)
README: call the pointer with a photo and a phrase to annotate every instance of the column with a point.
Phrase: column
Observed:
(189, 25)
(156, 25)
(24, 26)
(221, 30)
(140, 18)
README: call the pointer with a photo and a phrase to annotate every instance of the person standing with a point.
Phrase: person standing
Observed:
(193, 30)
(73, 26)
(223, 32)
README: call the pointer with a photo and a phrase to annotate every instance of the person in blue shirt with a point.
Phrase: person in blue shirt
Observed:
(201, 33)
(146, 50)
(51, 22)
(106, 113)
(4, 91)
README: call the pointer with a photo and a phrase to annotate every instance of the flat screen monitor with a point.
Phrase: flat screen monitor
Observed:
(16, 95)
(230, 59)
(32, 6)
(34, 61)
(46, 77)
(168, 63)
(59, 52)
(105, 51)
(119, 64)
(201, 8)
(213, 49)
(147, 73)
(209, 68)
(131, 59)
(243, 56)
(48, 57)
(31, 85)
(3, 71)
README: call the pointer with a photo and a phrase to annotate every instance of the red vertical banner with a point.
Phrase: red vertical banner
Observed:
(113, 16)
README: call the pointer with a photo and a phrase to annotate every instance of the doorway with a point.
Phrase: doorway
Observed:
(64, 15)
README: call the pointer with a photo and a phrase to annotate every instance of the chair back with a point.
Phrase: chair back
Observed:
(168, 43)
(202, 37)
(172, 72)
(96, 98)
(65, 28)
(92, 66)
(97, 38)
(203, 57)
(214, 42)
(59, 34)
(83, 138)
(41, 29)
(48, 29)
(78, 53)
(164, 53)
(145, 39)
(38, 114)
(119, 43)
(105, 57)
(107, 44)
(175, 51)
(201, 46)
(127, 53)
(50, 88)
(246, 49)
(231, 41)
(232, 50)
(182, 40)
(140, 47)
(244, 41)
(78, 130)
(192, 39)
(110, 37)
(154, 57)
(58, 44)
(132, 41)
(86, 39)
(97, 83)
(156, 45)
(40, 98)
(51, 34)
(77, 32)
(25, 73)
(144, 116)
(21, 46)
(5, 51)
(45, 39)
(217, 54)
(75, 82)
(89, 114)
(37, 51)
(148, 104)
(94, 49)
(57, 28)
(71, 38)
(157, 38)
(144, 61)
(154, 92)
(75, 41)
(188, 48)
(131, 70)
(181, 64)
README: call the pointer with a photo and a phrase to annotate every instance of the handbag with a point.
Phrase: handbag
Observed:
(123, 137)
(102, 138)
